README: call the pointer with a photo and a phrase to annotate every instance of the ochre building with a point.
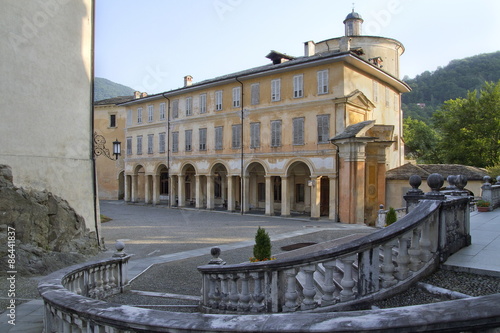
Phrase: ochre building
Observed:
(311, 135)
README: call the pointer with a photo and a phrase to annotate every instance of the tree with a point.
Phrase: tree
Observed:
(420, 141)
(469, 128)
(262, 247)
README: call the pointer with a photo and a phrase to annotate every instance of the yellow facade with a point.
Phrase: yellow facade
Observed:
(260, 139)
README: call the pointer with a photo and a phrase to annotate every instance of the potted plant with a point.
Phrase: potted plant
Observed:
(483, 206)
(262, 247)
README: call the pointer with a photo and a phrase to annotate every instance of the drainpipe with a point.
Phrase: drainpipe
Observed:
(337, 162)
(241, 159)
(168, 151)
(92, 155)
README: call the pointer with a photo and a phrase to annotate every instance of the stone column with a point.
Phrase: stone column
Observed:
(126, 185)
(333, 211)
(269, 196)
(285, 199)
(230, 193)
(246, 194)
(134, 189)
(147, 189)
(210, 192)
(156, 189)
(181, 188)
(199, 195)
(315, 197)
(173, 190)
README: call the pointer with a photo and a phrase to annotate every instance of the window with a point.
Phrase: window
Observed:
(218, 138)
(261, 192)
(276, 90)
(203, 103)
(161, 145)
(298, 86)
(139, 115)
(175, 142)
(275, 133)
(139, 145)
(387, 97)
(189, 106)
(112, 120)
(163, 112)
(150, 113)
(277, 189)
(203, 138)
(236, 96)
(299, 192)
(129, 117)
(255, 94)
(188, 139)
(375, 91)
(254, 135)
(175, 108)
(298, 131)
(323, 128)
(322, 82)
(129, 145)
(236, 143)
(218, 100)
(150, 143)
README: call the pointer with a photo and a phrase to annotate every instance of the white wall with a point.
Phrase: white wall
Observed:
(45, 98)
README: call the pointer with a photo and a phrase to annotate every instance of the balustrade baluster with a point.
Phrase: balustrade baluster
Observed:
(291, 294)
(112, 274)
(233, 294)
(388, 266)
(425, 243)
(403, 259)
(105, 274)
(212, 302)
(257, 296)
(414, 251)
(244, 304)
(347, 281)
(329, 285)
(224, 292)
(99, 288)
(337, 277)
(309, 290)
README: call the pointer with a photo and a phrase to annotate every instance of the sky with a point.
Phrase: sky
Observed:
(150, 45)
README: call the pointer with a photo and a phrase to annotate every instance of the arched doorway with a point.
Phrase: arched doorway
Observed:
(220, 186)
(297, 190)
(139, 184)
(187, 187)
(256, 191)
(164, 184)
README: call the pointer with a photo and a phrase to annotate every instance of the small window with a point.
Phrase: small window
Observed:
(276, 90)
(299, 192)
(112, 120)
(323, 128)
(203, 103)
(150, 143)
(150, 113)
(298, 86)
(129, 145)
(129, 117)
(275, 133)
(298, 131)
(139, 145)
(139, 115)
(175, 142)
(188, 139)
(254, 135)
(236, 143)
(175, 108)
(203, 138)
(255, 94)
(218, 138)
(162, 142)
(236, 97)
(189, 106)
(162, 111)
(323, 82)
(218, 100)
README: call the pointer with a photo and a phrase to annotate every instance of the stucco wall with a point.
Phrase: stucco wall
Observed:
(46, 98)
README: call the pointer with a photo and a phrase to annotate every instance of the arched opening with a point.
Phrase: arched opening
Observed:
(299, 189)
(140, 184)
(220, 186)
(121, 185)
(187, 195)
(256, 191)
(164, 184)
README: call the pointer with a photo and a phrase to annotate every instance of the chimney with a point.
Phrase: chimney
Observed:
(309, 48)
(188, 81)
(137, 94)
(144, 94)
(345, 44)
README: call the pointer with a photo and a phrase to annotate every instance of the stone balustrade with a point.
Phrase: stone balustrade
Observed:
(491, 193)
(366, 269)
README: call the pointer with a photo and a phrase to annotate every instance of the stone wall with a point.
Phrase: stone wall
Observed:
(49, 234)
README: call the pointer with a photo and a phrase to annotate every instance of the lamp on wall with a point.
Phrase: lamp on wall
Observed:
(100, 148)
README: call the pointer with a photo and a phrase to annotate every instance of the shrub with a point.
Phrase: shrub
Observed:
(391, 217)
(482, 203)
(262, 247)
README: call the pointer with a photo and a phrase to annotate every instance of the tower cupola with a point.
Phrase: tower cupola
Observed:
(353, 23)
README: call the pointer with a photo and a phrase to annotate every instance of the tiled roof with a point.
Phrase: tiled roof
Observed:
(424, 170)
(114, 100)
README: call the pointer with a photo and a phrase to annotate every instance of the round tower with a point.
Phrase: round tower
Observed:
(353, 23)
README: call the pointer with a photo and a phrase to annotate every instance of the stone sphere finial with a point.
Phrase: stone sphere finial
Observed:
(487, 179)
(435, 182)
(415, 182)
(461, 182)
(498, 179)
(215, 252)
(452, 180)
(119, 246)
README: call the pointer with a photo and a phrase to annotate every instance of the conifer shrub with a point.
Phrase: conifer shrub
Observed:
(391, 217)
(262, 247)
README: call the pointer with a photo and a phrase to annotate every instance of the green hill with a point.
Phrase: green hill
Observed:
(104, 89)
(452, 81)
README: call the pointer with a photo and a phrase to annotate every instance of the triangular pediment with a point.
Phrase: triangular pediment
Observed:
(358, 99)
